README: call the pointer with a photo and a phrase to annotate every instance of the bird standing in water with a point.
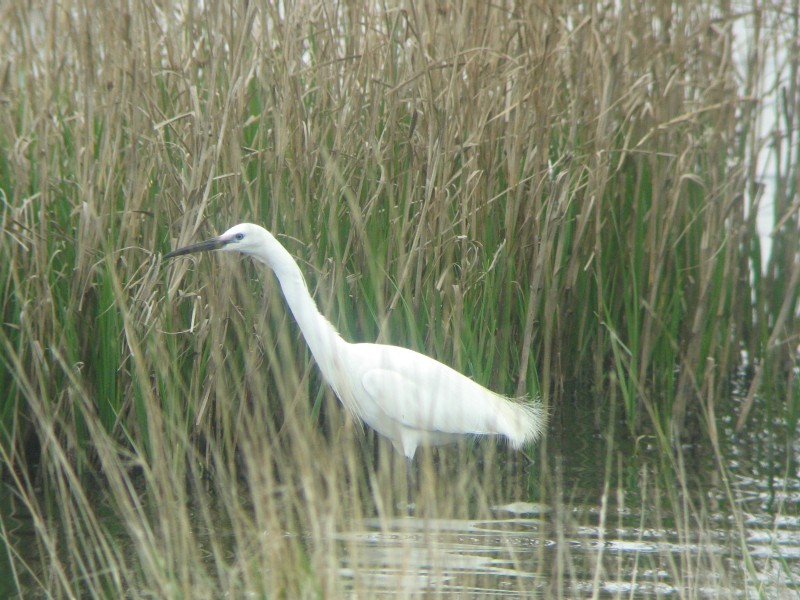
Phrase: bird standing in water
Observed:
(405, 396)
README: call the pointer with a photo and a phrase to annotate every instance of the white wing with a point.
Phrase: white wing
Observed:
(422, 394)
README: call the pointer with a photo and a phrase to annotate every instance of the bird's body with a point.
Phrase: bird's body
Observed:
(414, 400)
(405, 396)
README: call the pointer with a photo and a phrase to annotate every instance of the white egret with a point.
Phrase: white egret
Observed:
(405, 396)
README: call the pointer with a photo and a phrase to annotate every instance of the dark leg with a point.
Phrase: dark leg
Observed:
(411, 485)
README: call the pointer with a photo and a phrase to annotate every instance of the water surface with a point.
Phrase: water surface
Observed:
(595, 514)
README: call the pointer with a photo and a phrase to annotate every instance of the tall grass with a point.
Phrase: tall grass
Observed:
(548, 196)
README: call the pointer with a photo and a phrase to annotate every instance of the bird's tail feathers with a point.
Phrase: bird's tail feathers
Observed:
(522, 421)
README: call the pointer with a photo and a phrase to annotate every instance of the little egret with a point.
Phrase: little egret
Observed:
(405, 396)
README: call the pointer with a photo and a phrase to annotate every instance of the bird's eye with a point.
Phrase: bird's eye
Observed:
(238, 237)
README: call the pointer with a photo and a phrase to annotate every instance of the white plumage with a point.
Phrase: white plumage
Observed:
(407, 397)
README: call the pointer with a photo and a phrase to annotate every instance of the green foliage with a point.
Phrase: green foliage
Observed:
(536, 215)
(534, 194)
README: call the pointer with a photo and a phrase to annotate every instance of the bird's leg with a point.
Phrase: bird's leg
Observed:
(411, 484)
(376, 455)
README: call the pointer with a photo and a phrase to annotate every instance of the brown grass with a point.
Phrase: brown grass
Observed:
(548, 196)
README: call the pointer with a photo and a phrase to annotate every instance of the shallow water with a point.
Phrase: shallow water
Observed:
(612, 520)
(706, 531)
(517, 556)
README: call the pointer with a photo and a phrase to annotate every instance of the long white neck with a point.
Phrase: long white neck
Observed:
(322, 338)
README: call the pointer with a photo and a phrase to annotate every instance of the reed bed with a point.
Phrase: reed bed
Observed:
(548, 196)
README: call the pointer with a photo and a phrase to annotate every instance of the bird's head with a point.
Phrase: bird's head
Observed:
(244, 237)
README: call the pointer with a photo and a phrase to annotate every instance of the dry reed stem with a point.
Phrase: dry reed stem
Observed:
(543, 194)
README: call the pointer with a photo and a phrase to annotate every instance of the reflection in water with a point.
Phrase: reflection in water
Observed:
(626, 531)
(411, 555)
(519, 557)
(614, 518)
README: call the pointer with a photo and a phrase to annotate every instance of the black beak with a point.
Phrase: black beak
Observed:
(212, 244)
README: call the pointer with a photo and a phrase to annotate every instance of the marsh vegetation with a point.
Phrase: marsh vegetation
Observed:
(554, 198)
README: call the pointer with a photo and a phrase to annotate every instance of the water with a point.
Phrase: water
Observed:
(615, 517)
(727, 531)
(514, 556)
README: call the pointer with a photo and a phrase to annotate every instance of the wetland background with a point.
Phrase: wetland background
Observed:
(556, 198)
